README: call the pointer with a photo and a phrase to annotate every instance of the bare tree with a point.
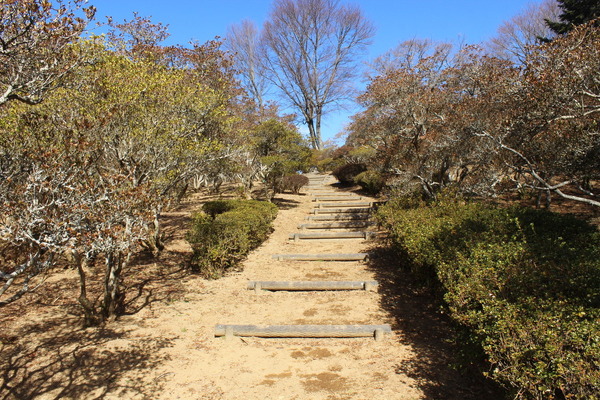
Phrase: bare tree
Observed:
(35, 51)
(517, 36)
(243, 41)
(410, 54)
(311, 48)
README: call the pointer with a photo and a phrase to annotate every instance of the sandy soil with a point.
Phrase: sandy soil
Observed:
(164, 348)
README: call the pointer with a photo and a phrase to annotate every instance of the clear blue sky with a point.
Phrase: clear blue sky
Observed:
(472, 21)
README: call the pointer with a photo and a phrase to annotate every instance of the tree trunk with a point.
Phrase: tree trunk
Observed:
(90, 315)
(155, 242)
(313, 133)
(113, 298)
(318, 142)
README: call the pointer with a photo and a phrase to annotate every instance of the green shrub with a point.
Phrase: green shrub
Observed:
(226, 232)
(294, 182)
(329, 164)
(214, 208)
(526, 284)
(346, 173)
(370, 181)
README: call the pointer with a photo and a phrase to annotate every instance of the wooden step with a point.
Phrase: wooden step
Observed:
(355, 204)
(337, 225)
(339, 217)
(311, 285)
(332, 235)
(322, 257)
(337, 198)
(340, 210)
(303, 331)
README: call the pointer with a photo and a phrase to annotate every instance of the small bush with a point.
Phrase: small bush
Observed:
(346, 173)
(525, 283)
(214, 208)
(226, 232)
(329, 164)
(370, 181)
(294, 182)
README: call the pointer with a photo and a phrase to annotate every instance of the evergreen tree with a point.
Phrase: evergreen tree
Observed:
(574, 12)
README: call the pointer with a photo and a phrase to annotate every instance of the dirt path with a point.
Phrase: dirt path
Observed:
(201, 366)
(166, 348)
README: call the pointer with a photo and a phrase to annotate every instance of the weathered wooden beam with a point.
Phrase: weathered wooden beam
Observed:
(339, 217)
(332, 235)
(311, 285)
(353, 204)
(337, 225)
(337, 198)
(340, 210)
(322, 257)
(303, 331)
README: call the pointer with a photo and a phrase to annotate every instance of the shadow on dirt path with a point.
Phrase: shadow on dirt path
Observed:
(65, 364)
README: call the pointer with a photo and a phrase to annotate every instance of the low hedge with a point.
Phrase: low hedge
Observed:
(370, 181)
(525, 283)
(226, 231)
(346, 173)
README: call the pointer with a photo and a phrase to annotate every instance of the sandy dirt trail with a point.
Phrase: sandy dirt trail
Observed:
(166, 348)
(203, 366)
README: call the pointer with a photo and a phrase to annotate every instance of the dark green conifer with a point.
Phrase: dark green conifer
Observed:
(574, 12)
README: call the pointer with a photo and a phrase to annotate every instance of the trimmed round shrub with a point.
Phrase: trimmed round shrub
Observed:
(221, 240)
(370, 181)
(294, 182)
(214, 208)
(346, 173)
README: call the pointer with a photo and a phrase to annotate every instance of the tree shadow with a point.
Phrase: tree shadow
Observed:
(286, 204)
(147, 284)
(53, 359)
(418, 315)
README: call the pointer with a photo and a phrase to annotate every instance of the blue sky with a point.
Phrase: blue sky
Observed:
(471, 21)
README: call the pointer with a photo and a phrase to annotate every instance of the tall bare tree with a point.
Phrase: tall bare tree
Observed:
(517, 37)
(243, 41)
(410, 55)
(311, 49)
(35, 45)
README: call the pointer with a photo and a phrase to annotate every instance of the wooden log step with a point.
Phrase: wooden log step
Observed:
(335, 197)
(339, 217)
(312, 285)
(353, 204)
(303, 331)
(337, 225)
(340, 210)
(340, 199)
(332, 235)
(321, 257)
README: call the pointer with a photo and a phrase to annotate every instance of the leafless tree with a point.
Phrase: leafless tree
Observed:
(35, 51)
(243, 41)
(517, 36)
(311, 48)
(410, 54)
